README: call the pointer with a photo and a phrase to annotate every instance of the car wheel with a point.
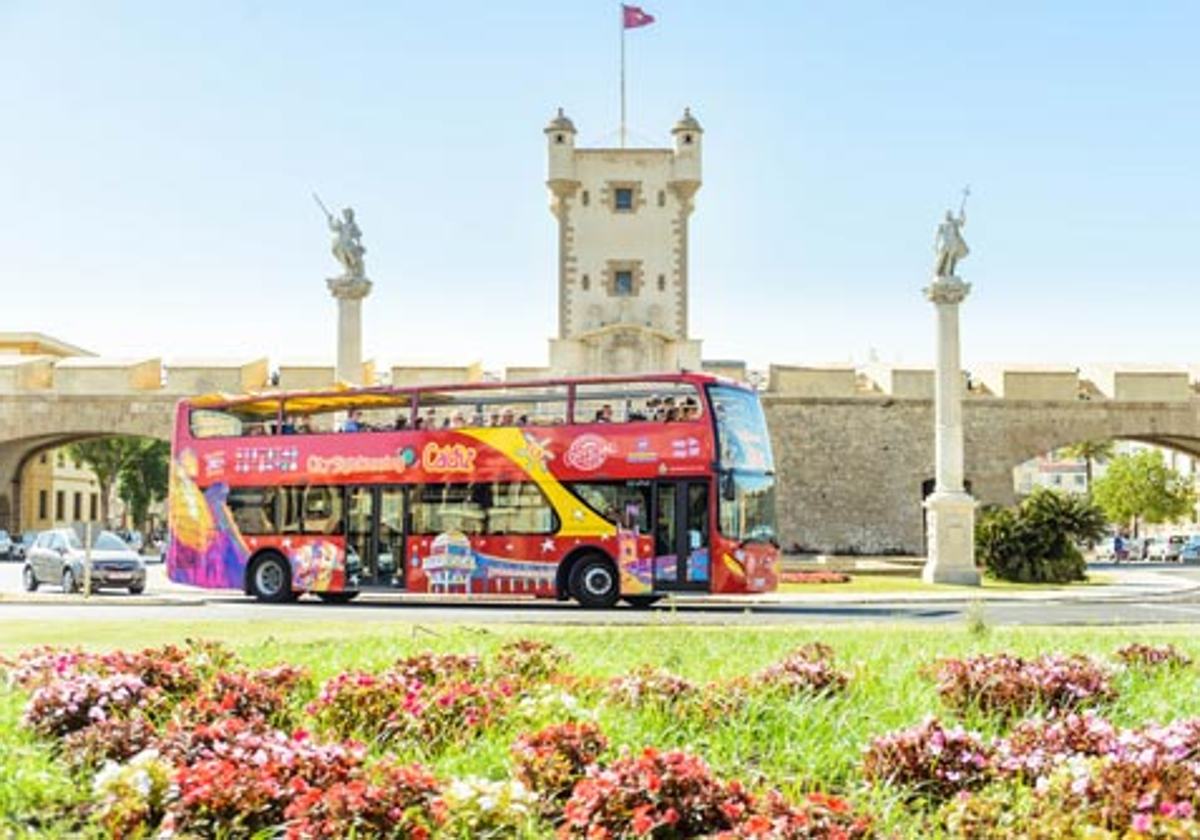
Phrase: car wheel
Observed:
(68, 581)
(271, 580)
(594, 582)
(29, 579)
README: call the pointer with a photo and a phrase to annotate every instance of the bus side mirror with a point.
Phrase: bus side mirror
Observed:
(728, 489)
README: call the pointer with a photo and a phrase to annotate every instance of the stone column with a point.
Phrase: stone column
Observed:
(349, 293)
(950, 509)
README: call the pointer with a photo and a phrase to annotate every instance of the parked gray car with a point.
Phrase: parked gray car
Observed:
(59, 557)
(6, 545)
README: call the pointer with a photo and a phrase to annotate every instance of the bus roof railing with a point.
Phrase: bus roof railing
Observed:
(268, 404)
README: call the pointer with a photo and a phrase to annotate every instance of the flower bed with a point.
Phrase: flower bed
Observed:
(190, 742)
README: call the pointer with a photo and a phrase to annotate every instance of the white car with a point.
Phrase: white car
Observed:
(59, 556)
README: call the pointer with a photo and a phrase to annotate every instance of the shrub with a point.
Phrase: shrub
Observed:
(431, 668)
(1037, 541)
(930, 760)
(1010, 686)
(648, 686)
(808, 669)
(385, 800)
(130, 797)
(818, 817)
(1138, 655)
(553, 759)
(73, 702)
(530, 660)
(243, 784)
(668, 794)
(1036, 746)
(116, 739)
(480, 808)
(359, 704)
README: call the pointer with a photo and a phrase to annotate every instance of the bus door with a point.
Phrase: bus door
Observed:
(375, 531)
(681, 528)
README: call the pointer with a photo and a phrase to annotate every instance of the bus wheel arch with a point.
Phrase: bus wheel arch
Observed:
(269, 578)
(592, 579)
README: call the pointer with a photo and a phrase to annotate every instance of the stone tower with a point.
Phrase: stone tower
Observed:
(623, 252)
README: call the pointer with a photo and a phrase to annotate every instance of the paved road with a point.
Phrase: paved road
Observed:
(1141, 595)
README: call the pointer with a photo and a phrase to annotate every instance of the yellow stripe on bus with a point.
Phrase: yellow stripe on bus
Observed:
(524, 447)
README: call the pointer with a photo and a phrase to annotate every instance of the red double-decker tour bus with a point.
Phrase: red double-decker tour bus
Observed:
(595, 489)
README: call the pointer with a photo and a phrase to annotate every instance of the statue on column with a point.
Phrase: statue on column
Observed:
(347, 244)
(949, 245)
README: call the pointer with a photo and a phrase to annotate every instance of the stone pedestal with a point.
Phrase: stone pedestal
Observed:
(951, 511)
(950, 526)
(349, 293)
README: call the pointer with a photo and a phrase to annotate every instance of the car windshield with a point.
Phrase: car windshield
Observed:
(104, 541)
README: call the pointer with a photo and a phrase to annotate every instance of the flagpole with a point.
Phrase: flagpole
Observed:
(622, 8)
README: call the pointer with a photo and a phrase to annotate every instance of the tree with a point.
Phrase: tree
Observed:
(104, 457)
(113, 458)
(1092, 452)
(143, 478)
(1142, 487)
(1038, 541)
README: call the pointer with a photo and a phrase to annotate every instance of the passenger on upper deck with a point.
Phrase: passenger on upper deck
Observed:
(354, 422)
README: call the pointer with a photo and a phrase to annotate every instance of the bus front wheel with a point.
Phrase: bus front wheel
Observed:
(271, 580)
(594, 581)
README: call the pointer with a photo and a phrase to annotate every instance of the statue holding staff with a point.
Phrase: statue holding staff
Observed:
(347, 241)
(949, 245)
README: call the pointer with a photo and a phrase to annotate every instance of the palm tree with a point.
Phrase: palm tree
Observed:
(1092, 452)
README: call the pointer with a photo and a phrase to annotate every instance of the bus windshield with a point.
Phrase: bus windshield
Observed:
(743, 443)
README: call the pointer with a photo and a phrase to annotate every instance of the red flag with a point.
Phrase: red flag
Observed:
(634, 17)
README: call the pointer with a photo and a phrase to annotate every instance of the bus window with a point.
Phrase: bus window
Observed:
(253, 509)
(519, 507)
(438, 508)
(313, 509)
(624, 503)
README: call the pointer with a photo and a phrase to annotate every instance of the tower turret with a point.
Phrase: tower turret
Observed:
(686, 171)
(560, 176)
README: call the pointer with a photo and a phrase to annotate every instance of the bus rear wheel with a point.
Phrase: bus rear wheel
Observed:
(594, 582)
(271, 580)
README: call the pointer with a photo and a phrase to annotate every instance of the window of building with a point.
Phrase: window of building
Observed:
(77, 507)
(662, 282)
(585, 282)
(60, 505)
(662, 198)
(585, 198)
(623, 196)
(94, 507)
(42, 458)
(43, 504)
(624, 278)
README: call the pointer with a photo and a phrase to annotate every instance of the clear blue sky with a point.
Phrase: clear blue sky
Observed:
(157, 160)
